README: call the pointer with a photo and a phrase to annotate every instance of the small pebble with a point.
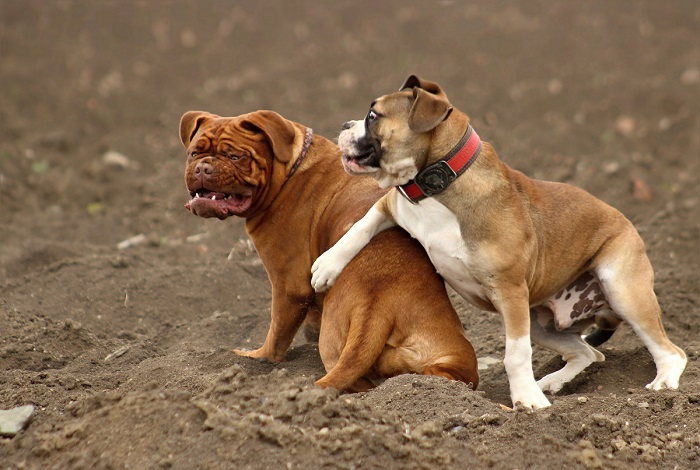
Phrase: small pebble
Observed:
(14, 420)
(116, 159)
(133, 241)
(483, 363)
(690, 76)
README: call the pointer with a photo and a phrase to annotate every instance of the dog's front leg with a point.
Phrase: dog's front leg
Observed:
(288, 313)
(330, 264)
(513, 304)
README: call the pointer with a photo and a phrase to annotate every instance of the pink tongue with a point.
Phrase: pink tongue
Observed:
(239, 203)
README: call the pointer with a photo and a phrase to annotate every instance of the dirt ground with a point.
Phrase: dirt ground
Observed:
(126, 352)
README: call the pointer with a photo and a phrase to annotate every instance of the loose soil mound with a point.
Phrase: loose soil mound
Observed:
(126, 352)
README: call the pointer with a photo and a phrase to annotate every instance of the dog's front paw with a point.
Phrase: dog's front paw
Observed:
(530, 401)
(326, 270)
(256, 354)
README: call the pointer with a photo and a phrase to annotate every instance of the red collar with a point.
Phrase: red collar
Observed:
(437, 177)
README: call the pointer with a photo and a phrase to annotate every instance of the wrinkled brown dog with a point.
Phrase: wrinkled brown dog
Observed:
(388, 312)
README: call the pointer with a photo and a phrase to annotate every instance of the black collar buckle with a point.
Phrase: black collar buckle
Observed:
(435, 178)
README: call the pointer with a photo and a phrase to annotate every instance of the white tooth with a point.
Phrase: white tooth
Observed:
(198, 195)
(213, 198)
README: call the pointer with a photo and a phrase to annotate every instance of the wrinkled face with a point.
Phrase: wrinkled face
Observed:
(383, 144)
(228, 164)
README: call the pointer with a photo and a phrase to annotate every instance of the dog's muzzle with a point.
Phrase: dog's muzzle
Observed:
(367, 159)
(360, 152)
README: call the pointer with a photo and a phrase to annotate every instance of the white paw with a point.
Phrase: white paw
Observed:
(534, 400)
(669, 373)
(551, 383)
(554, 382)
(661, 382)
(325, 271)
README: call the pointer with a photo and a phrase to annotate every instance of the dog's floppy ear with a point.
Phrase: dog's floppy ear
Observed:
(430, 105)
(431, 87)
(428, 110)
(190, 123)
(411, 82)
(280, 132)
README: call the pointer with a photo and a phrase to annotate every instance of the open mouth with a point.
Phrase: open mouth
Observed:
(205, 203)
(363, 163)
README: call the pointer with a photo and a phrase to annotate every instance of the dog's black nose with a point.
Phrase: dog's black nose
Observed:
(347, 125)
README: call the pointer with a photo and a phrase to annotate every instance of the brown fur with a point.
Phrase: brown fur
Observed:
(388, 314)
(523, 240)
(538, 236)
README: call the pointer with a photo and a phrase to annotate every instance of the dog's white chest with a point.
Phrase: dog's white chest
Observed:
(437, 229)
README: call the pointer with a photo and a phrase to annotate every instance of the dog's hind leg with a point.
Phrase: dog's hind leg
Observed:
(347, 360)
(627, 279)
(312, 324)
(573, 349)
(361, 385)
(453, 372)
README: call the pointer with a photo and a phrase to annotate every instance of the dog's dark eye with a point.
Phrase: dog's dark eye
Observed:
(371, 116)
(193, 154)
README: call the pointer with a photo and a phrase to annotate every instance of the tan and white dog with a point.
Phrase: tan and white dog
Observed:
(550, 257)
